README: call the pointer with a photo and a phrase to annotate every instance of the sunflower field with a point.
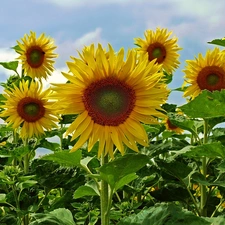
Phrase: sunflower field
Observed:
(120, 152)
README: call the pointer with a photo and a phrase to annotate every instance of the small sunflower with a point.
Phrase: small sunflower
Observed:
(111, 97)
(161, 47)
(28, 107)
(205, 73)
(172, 127)
(37, 55)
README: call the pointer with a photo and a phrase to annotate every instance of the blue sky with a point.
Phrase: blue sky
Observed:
(75, 23)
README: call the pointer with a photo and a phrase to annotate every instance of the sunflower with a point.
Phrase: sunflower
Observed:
(205, 73)
(28, 107)
(37, 55)
(172, 127)
(111, 97)
(161, 47)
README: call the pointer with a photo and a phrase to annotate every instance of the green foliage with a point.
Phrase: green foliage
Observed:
(219, 42)
(10, 65)
(65, 158)
(59, 216)
(164, 214)
(113, 172)
(206, 105)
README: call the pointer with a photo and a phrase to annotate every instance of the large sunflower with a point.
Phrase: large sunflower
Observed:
(161, 47)
(37, 55)
(111, 97)
(28, 107)
(205, 73)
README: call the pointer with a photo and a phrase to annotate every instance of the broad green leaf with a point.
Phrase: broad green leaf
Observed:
(210, 150)
(169, 107)
(86, 160)
(199, 178)
(49, 145)
(20, 152)
(65, 157)
(84, 191)
(16, 48)
(2, 198)
(219, 220)
(26, 184)
(175, 168)
(59, 216)
(115, 170)
(10, 65)
(206, 105)
(67, 119)
(125, 180)
(219, 42)
(25, 178)
(182, 122)
(164, 214)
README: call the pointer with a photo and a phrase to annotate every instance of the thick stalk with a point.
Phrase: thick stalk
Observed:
(104, 197)
(26, 170)
(203, 208)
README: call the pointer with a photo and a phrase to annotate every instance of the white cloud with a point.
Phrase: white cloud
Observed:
(56, 77)
(70, 47)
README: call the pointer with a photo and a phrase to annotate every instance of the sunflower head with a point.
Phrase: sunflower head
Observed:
(36, 55)
(28, 109)
(171, 127)
(111, 97)
(158, 45)
(205, 73)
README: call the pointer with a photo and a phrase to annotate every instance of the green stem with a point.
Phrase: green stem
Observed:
(26, 170)
(26, 159)
(104, 197)
(203, 208)
(26, 163)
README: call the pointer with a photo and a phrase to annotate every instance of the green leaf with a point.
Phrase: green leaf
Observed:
(26, 184)
(219, 42)
(49, 145)
(115, 170)
(182, 122)
(65, 158)
(125, 180)
(206, 105)
(10, 65)
(59, 216)
(84, 162)
(164, 214)
(16, 48)
(84, 191)
(2, 198)
(200, 179)
(210, 150)
(175, 168)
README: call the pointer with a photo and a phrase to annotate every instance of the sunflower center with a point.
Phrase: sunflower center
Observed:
(211, 78)
(30, 109)
(170, 125)
(156, 51)
(35, 56)
(109, 101)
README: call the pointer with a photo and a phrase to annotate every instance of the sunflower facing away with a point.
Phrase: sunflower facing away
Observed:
(28, 107)
(111, 97)
(172, 127)
(205, 73)
(161, 47)
(37, 55)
